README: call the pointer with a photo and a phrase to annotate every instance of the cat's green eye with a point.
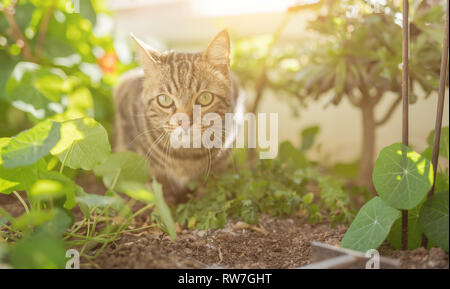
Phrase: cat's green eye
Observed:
(205, 98)
(165, 101)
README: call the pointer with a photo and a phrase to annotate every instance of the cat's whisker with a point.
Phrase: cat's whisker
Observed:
(143, 133)
(156, 142)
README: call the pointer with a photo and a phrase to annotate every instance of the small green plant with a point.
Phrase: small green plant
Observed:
(278, 187)
(402, 178)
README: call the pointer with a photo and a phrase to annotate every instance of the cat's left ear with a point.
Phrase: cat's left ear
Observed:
(149, 57)
(218, 51)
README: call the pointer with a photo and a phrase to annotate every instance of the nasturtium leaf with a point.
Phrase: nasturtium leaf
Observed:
(96, 201)
(123, 169)
(52, 186)
(288, 153)
(444, 142)
(84, 144)
(442, 181)
(138, 191)
(20, 178)
(402, 177)
(36, 89)
(414, 231)
(371, 226)
(33, 219)
(40, 251)
(163, 210)
(57, 225)
(31, 145)
(46, 190)
(434, 219)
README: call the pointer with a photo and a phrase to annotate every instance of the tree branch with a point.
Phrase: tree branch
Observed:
(15, 32)
(43, 30)
(353, 100)
(389, 113)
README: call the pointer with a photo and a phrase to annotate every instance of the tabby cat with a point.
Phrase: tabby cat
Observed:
(173, 82)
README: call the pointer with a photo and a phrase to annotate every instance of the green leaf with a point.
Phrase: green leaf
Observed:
(434, 219)
(96, 201)
(138, 191)
(53, 185)
(31, 145)
(6, 69)
(57, 225)
(32, 220)
(21, 178)
(308, 198)
(371, 226)
(288, 153)
(444, 143)
(121, 170)
(163, 210)
(36, 89)
(87, 11)
(84, 144)
(402, 177)
(309, 135)
(414, 231)
(39, 251)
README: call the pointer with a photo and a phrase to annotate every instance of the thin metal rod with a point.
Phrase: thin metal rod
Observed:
(441, 98)
(440, 108)
(405, 99)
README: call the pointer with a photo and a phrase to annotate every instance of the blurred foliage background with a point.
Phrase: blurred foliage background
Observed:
(54, 64)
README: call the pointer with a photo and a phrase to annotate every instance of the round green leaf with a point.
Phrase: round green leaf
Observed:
(402, 177)
(40, 251)
(371, 226)
(434, 219)
(31, 145)
(20, 178)
(122, 169)
(36, 89)
(414, 231)
(444, 143)
(84, 144)
(97, 201)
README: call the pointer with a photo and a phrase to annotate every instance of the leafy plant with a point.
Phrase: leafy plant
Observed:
(52, 195)
(402, 178)
(278, 187)
(356, 59)
(56, 79)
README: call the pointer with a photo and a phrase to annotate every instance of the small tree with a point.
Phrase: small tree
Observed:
(358, 56)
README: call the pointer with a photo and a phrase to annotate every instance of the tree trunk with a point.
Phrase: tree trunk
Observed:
(368, 145)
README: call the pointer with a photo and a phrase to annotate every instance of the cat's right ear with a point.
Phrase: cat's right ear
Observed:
(148, 56)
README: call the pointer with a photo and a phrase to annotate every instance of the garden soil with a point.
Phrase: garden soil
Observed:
(273, 243)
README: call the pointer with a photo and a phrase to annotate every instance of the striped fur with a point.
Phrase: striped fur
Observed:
(142, 124)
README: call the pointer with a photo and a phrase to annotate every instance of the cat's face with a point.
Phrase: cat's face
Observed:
(176, 82)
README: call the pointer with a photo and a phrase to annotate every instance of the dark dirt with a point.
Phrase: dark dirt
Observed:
(274, 243)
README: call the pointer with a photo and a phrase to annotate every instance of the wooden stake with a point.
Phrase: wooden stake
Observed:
(440, 108)
(405, 97)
